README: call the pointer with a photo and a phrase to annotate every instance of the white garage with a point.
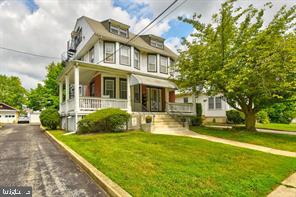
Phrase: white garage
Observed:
(8, 114)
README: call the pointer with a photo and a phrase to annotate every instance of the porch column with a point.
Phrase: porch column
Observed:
(67, 92)
(129, 103)
(132, 56)
(60, 95)
(76, 94)
(193, 104)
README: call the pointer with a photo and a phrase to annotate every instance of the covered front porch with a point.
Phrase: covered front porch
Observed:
(84, 88)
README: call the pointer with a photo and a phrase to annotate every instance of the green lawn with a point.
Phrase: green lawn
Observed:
(277, 141)
(159, 165)
(278, 126)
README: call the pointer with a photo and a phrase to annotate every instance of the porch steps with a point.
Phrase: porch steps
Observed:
(164, 123)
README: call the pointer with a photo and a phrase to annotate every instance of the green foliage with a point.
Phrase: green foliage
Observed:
(235, 117)
(282, 112)
(104, 120)
(50, 118)
(252, 65)
(12, 91)
(47, 95)
(262, 117)
(196, 121)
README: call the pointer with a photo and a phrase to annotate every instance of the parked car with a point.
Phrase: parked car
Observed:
(23, 119)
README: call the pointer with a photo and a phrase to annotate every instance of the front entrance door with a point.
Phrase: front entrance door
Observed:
(155, 99)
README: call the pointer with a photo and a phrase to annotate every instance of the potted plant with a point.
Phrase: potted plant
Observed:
(148, 119)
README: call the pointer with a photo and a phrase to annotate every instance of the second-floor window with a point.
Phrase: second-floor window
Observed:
(125, 55)
(109, 52)
(92, 55)
(163, 65)
(151, 63)
(137, 59)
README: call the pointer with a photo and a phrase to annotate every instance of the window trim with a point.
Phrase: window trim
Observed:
(120, 80)
(139, 68)
(167, 64)
(218, 97)
(130, 57)
(185, 100)
(104, 85)
(155, 63)
(156, 43)
(213, 103)
(93, 53)
(114, 53)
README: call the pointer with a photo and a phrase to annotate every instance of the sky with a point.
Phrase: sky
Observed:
(44, 26)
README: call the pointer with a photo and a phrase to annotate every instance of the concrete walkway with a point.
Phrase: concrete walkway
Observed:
(286, 189)
(192, 134)
(258, 129)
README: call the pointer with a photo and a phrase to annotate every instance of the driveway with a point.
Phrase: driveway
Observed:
(29, 158)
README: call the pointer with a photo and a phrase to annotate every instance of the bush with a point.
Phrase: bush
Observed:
(262, 117)
(196, 121)
(235, 117)
(50, 118)
(148, 119)
(282, 112)
(104, 120)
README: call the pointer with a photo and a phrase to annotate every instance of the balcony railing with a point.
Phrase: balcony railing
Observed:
(180, 107)
(93, 103)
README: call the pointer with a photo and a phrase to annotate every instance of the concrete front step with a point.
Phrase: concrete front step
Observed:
(171, 123)
(167, 127)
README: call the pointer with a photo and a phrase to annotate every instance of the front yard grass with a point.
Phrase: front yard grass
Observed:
(277, 141)
(278, 126)
(159, 165)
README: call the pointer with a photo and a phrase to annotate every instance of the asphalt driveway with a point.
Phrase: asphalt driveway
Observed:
(29, 158)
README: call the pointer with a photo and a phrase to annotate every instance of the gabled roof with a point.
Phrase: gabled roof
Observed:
(100, 30)
(4, 106)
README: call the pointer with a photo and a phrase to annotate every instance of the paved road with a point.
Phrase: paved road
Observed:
(29, 158)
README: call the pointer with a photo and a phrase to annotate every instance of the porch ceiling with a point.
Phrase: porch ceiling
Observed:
(85, 76)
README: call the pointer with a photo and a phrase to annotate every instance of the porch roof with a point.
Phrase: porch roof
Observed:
(139, 79)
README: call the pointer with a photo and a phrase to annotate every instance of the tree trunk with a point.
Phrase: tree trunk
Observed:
(250, 121)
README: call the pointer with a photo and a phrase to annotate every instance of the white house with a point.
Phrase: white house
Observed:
(8, 114)
(105, 69)
(213, 107)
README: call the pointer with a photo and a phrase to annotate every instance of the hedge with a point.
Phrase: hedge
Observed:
(50, 118)
(104, 120)
(235, 117)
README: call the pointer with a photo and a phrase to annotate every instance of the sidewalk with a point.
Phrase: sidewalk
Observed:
(286, 189)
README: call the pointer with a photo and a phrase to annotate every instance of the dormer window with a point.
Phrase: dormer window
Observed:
(119, 31)
(156, 44)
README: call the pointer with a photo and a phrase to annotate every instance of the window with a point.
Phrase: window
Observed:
(151, 63)
(109, 48)
(156, 44)
(137, 59)
(125, 55)
(163, 65)
(119, 31)
(91, 55)
(137, 93)
(109, 87)
(211, 103)
(218, 102)
(92, 89)
(123, 88)
(185, 99)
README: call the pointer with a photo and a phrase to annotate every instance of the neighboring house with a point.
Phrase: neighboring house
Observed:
(213, 107)
(103, 71)
(8, 114)
(34, 117)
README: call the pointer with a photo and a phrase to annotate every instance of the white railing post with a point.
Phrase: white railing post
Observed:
(76, 94)
(67, 93)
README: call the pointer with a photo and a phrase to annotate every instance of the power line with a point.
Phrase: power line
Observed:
(29, 53)
(138, 34)
(168, 14)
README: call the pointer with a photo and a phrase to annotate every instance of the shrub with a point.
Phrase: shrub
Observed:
(148, 119)
(235, 117)
(282, 112)
(262, 117)
(196, 121)
(104, 120)
(50, 118)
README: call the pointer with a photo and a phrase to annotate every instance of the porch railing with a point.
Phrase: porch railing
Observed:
(180, 107)
(94, 103)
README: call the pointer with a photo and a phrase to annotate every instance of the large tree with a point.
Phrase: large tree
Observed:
(252, 63)
(12, 92)
(47, 95)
